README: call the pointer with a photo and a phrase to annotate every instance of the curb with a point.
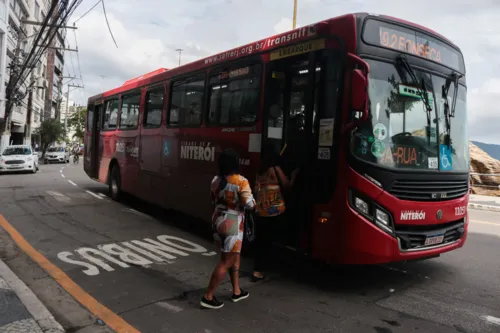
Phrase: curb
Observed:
(484, 207)
(34, 306)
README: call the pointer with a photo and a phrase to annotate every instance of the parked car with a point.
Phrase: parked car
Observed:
(57, 155)
(18, 158)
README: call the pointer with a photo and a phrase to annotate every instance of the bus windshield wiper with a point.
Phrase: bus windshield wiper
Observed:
(450, 112)
(402, 62)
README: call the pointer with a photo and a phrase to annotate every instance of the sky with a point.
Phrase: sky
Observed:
(148, 32)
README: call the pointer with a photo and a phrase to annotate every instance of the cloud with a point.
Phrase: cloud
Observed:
(149, 32)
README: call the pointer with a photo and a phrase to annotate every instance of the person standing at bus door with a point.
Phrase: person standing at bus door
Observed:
(271, 184)
(231, 195)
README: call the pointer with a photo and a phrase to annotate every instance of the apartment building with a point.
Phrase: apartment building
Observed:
(26, 117)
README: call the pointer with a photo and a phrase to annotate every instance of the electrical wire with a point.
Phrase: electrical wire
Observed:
(107, 22)
(88, 11)
(78, 59)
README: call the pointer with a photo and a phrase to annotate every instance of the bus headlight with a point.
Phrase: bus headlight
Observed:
(361, 206)
(372, 211)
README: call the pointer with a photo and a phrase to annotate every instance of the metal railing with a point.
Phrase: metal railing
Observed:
(485, 182)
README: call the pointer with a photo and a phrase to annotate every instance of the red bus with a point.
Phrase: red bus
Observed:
(371, 108)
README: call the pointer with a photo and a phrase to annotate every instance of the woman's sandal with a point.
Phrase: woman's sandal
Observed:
(257, 279)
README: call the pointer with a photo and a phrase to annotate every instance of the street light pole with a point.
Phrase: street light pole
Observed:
(180, 51)
(294, 13)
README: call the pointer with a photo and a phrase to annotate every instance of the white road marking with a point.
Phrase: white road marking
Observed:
(93, 194)
(69, 181)
(492, 320)
(60, 170)
(63, 175)
(209, 254)
(170, 307)
(102, 195)
(59, 196)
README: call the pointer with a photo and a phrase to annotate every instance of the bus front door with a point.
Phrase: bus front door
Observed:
(95, 144)
(299, 117)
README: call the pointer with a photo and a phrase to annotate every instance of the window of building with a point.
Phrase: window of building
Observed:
(234, 96)
(186, 104)
(130, 111)
(154, 107)
(110, 115)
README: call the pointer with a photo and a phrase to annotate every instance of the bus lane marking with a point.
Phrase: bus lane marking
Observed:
(165, 249)
(94, 195)
(111, 319)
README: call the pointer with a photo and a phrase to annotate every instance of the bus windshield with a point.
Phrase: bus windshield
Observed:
(401, 133)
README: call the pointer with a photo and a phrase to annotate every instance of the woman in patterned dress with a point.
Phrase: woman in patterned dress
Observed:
(231, 194)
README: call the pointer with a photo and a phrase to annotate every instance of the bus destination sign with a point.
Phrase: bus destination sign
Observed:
(410, 41)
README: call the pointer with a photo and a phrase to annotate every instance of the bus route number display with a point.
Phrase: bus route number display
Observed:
(410, 41)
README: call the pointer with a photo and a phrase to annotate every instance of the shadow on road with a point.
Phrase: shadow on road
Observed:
(362, 280)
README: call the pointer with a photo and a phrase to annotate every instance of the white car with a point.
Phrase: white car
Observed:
(57, 155)
(18, 158)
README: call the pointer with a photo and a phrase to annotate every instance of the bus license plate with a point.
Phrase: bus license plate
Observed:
(433, 240)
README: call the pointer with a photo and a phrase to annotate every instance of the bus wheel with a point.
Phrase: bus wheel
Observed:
(115, 184)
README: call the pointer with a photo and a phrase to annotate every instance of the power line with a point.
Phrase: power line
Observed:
(78, 59)
(107, 22)
(88, 11)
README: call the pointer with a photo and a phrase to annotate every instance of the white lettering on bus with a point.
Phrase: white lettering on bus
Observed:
(198, 152)
(270, 42)
(147, 251)
(411, 215)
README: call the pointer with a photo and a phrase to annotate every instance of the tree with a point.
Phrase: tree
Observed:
(76, 123)
(50, 131)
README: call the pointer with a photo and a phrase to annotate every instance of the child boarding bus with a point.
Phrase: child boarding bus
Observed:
(371, 108)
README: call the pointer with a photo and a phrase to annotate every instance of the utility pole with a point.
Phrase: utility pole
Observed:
(67, 106)
(180, 51)
(294, 14)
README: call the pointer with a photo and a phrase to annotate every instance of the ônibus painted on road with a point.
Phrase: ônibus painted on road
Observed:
(372, 109)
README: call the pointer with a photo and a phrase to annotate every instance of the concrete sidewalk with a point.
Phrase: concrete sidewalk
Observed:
(20, 310)
(484, 202)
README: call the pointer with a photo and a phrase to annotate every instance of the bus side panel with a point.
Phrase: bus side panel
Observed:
(127, 154)
(107, 147)
(191, 165)
(87, 139)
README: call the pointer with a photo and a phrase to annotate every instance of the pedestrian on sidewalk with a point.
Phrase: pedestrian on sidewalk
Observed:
(231, 195)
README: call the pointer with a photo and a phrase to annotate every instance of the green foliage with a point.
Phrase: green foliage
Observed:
(50, 131)
(76, 123)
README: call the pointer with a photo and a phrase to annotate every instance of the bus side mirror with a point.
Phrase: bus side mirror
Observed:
(359, 92)
(358, 102)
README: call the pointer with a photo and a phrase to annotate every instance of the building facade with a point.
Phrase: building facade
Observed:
(17, 38)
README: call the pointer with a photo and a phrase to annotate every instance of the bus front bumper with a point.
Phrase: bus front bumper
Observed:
(368, 244)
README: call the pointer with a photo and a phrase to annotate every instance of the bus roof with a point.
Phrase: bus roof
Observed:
(269, 43)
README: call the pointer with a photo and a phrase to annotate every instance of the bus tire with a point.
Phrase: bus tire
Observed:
(115, 184)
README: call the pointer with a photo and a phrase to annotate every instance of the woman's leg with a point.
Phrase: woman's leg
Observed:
(226, 262)
(234, 273)
(261, 246)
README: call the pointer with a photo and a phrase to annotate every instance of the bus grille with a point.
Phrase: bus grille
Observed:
(429, 190)
(412, 237)
(14, 162)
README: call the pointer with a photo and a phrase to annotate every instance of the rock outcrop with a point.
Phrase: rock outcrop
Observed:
(482, 163)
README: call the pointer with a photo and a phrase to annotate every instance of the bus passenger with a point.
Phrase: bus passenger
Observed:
(231, 195)
(271, 184)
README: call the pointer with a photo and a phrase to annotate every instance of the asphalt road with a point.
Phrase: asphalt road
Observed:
(70, 220)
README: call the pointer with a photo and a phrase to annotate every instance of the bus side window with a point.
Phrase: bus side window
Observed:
(110, 115)
(129, 117)
(186, 103)
(234, 96)
(154, 107)
(90, 118)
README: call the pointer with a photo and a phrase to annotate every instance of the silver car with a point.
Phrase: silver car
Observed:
(57, 155)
